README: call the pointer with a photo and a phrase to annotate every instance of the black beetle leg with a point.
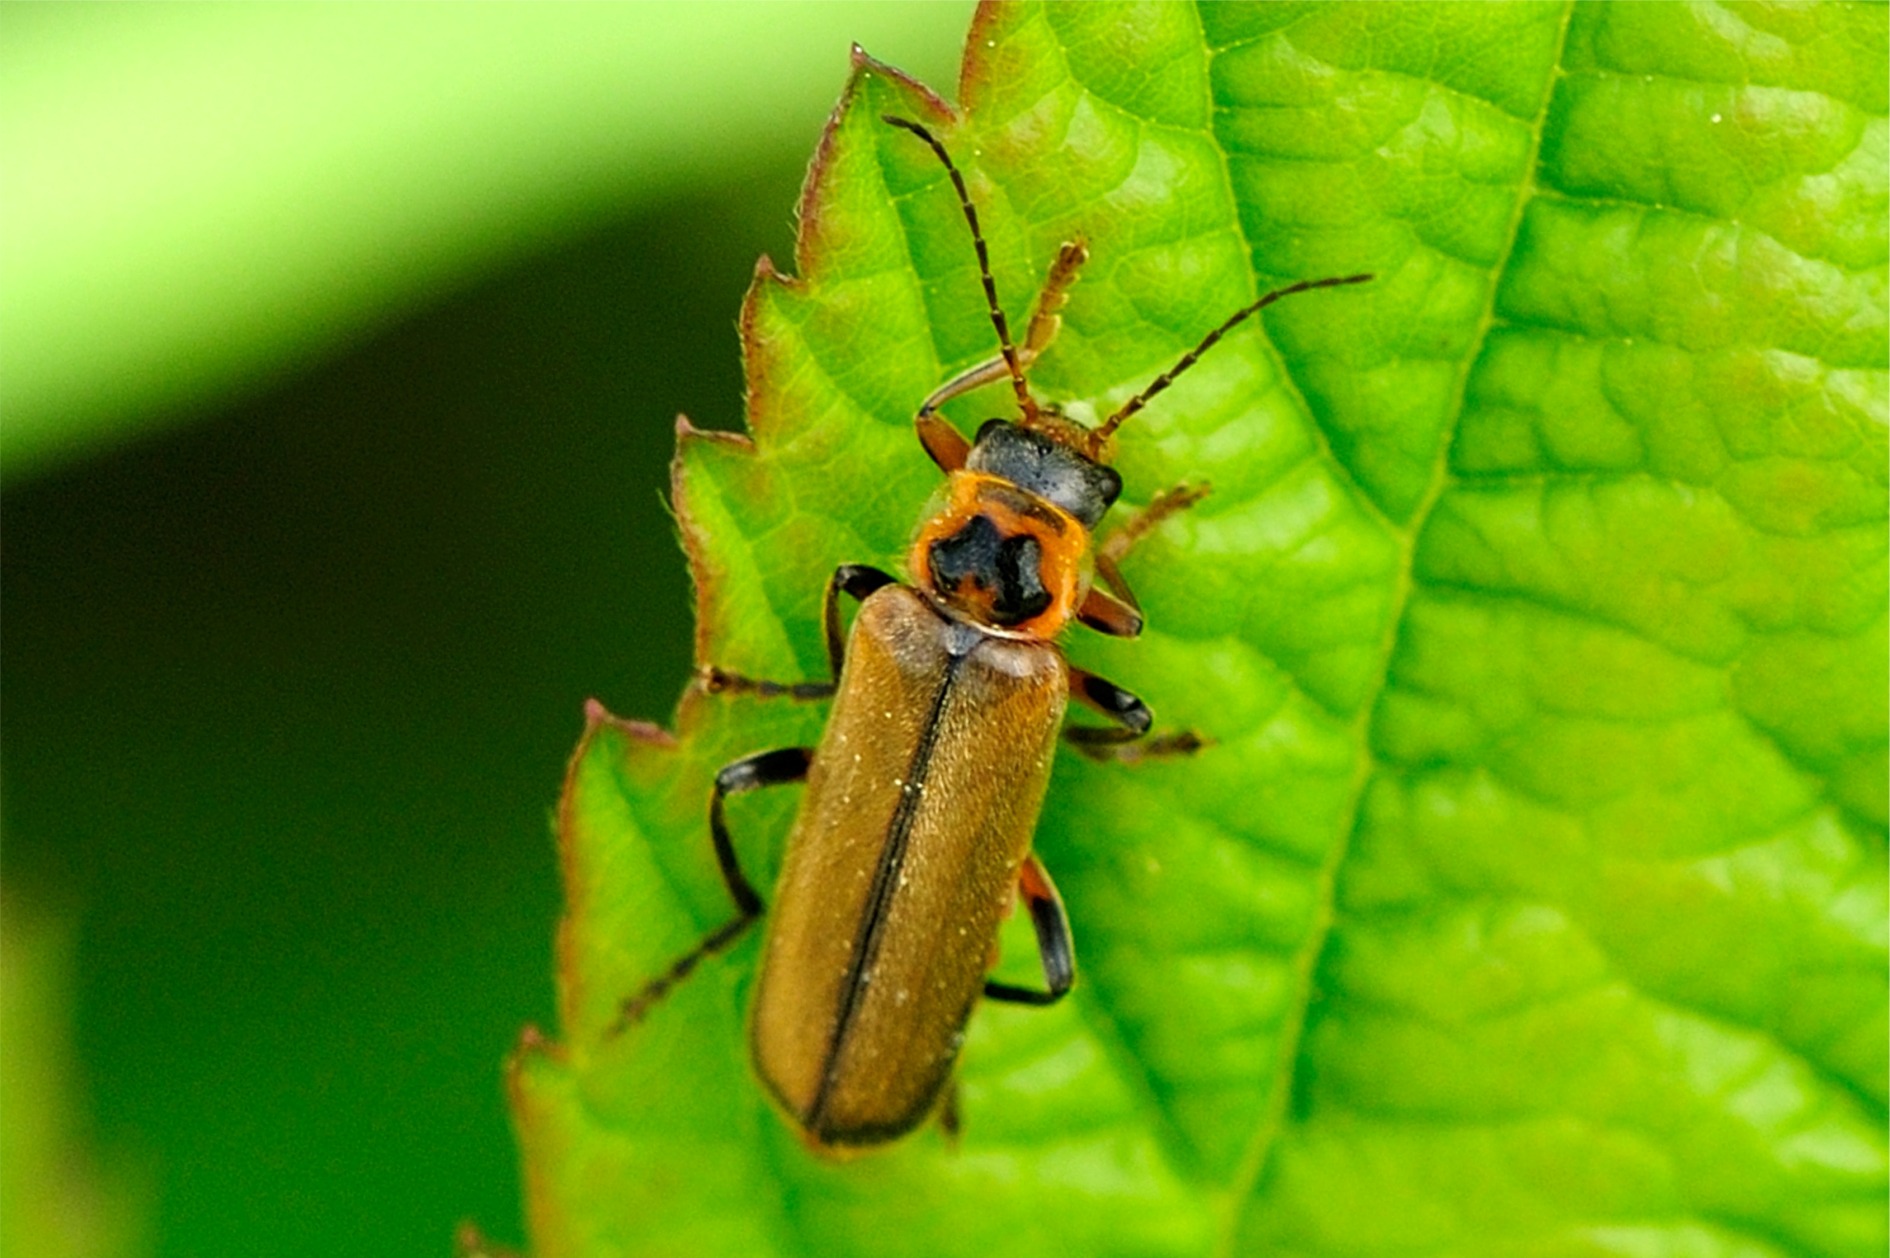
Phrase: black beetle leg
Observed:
(718, 681)
(951, 1121)
(751, 773)
(1131, 716)
(1054, 947)
(1124, 747)
(1126, 741)
(856, 580)
(1104, 696)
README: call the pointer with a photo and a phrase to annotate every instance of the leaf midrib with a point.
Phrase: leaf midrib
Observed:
(1254, 1162)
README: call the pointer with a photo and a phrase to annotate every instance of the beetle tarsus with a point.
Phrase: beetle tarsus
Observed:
(632, 1010)
(751, 773)
(719, 681)
(944, 443)
(1169, 502)
(951, 1122)
(857, 581)
(1120, 746)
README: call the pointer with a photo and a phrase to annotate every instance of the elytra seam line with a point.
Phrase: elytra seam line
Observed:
(879, 900)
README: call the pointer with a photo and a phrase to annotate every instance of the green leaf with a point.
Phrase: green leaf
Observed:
(1531, 898)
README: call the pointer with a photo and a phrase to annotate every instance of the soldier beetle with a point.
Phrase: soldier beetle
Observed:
(913, 838)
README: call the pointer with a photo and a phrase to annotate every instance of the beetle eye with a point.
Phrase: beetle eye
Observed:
(1110, 484)
(987, 427)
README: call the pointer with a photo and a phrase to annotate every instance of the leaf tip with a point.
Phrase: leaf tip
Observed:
(470, 1242)
(597, 716)
(597, 720)
(704, 573)
(864, 66)
(686, 431)
(766, 272)
(533, 1046)
(975, 70)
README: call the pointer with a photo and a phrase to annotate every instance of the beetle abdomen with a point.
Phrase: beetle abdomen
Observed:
(919, 809)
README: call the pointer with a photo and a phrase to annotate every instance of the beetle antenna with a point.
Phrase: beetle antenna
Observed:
(1024, 399)
(1102, 432)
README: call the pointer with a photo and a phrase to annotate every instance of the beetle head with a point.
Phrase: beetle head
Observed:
(1036, 462)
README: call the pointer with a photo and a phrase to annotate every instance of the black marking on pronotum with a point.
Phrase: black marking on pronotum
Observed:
(1009, 568)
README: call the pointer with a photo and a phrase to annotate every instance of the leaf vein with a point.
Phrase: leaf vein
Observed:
(1254, 1164)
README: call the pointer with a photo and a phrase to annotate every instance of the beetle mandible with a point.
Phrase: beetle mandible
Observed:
(913, 838)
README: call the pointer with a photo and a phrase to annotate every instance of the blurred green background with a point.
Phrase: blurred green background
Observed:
(340, 348)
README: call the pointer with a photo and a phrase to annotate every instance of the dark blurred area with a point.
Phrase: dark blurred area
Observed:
(288, 693)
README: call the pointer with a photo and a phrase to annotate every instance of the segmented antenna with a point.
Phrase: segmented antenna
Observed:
(984, 259)
(1107, 428)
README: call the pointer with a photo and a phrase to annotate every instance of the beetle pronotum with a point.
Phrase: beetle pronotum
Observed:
(914, 836)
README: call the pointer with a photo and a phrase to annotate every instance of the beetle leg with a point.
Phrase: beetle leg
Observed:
(1168, 502)
(1109, 554)
(769, 768)
(855, 579)
(1053, 940)
(1125, 742)
(1112, 701)
(717, 681)
(1124, 747)
(941, 440)
(951, 1122)
(1106, 613)
(1046, 319)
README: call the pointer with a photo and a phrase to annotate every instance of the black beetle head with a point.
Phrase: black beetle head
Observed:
(1052, 471)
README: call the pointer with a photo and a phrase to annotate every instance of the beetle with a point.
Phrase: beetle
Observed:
(913, 839)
